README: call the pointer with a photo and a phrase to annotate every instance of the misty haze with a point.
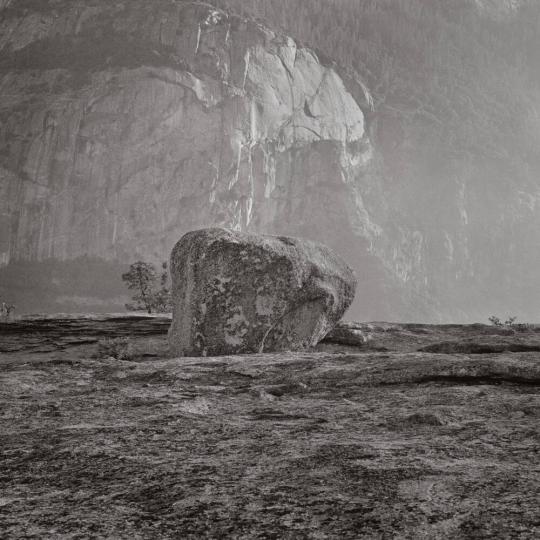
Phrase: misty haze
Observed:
(407, 140)
(269, 268)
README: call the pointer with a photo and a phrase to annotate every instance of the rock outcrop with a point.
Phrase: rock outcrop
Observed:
(245, 293)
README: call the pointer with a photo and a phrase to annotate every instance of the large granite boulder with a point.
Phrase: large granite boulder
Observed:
(236, 292)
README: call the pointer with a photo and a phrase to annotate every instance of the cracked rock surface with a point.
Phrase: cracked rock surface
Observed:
(338, 442)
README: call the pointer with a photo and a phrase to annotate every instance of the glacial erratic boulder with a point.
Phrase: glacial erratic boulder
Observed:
(236, 292)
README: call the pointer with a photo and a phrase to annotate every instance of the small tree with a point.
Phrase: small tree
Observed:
(142, 278)
(495, 321)
(6, 310)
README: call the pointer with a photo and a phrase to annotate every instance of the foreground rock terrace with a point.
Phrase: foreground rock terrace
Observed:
(379, 440)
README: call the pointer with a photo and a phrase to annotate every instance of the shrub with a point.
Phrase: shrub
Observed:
(6, 310)
(495, 321)
(118, 348)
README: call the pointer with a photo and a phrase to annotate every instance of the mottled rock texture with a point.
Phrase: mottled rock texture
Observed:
(346, 444)
(239, 293)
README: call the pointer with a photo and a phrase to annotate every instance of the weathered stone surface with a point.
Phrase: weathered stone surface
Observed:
(331, 445)
(237, 293)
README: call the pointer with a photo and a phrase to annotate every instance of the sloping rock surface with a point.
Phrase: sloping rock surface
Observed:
(326, 444)
(240, 293)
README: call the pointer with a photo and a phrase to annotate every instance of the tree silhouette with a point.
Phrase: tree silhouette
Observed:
(142, 277)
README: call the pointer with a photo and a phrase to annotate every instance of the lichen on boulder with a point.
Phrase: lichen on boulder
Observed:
(236, 292)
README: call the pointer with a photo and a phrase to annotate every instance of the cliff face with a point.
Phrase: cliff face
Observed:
(125, 124)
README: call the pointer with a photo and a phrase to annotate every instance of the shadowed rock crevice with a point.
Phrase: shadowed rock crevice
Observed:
(471, 380)
(452, 347)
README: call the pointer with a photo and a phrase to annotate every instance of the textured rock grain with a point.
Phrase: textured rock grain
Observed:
(339, 445)
(240, 293)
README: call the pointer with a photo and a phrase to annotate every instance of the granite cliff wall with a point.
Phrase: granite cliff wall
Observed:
(126, 124)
